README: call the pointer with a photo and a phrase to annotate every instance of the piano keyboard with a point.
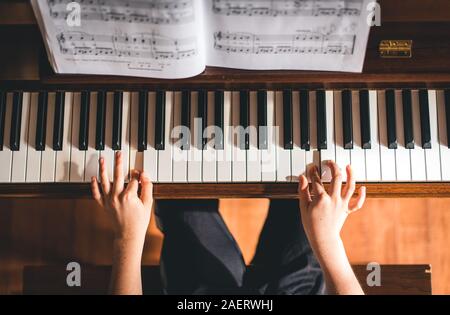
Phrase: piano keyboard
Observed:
(387, 135)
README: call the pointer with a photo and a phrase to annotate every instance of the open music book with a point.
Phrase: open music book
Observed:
(179, 38)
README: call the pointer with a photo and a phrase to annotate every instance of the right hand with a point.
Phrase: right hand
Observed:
(324, 213)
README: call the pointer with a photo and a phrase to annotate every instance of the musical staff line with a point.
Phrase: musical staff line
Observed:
(140, 45)
(288, 7)
(165, 12)
(305, 42)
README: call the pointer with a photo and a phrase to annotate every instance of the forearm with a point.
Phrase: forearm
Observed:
(126, 269)
(339, 276)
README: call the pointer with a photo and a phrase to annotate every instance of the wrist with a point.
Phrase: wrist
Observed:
(122, 243)
(329, 249)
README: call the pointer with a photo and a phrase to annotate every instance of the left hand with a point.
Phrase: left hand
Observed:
(129, 212)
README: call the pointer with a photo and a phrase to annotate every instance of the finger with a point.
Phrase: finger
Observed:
(317, 186)
(118, 174)
(146, 190)
(350, 185)
(96, 191)
(336, 179)
(133, 185)
(303, 190)
(104, 176)
(357, 203)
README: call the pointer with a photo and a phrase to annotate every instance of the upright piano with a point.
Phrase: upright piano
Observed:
(391, 122)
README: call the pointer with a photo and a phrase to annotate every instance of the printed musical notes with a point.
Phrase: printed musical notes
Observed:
(304, 42)
(140, 45)
(288, 7)
(165, 12)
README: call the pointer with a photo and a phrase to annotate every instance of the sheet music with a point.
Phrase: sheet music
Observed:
(146, 38)
(287, 34)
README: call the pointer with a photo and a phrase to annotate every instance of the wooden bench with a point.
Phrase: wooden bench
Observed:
(395, 279)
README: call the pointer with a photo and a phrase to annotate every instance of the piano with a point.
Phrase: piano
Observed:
(391, 122)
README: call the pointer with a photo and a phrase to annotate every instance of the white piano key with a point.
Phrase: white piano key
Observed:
(6, 153)
(402, 156)
(62, 173)
(48, 158)
(136, 157)
(19, 158)
(443, 141)
(92, 155)
(298, 156)
(373, 170)
(433, 155)
(418, 166)
(125, 140)
(313, 155)
(357, 157)
(283, 156)
(108, 153)
(342, 155)
(253, 154)
(165, 156)
(195, 152)
(179, 156)
(387, 156)
(209, 153)
(149, 157)
(330, 152)
(33, 173)
(224, 156)
(239, 167)
(268, 157)
(77, 156)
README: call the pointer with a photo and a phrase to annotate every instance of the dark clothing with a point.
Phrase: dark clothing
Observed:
(200, 256)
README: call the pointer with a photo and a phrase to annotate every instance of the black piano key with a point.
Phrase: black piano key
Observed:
(408, 119)
(244, 119)
(83, 135)
(41, 123)
(347, 119)
(117, 121)
(447, 114)
(143, 121)
(101, 121)
(219, 119)
(58, 122)
(16, 121)
(321, 110)
(390, 119)
(186, 117)
(2, 117)
(262, 119)
(425, 119)
(160, 120)
(287, 120)
(202, 113)
(304, 120)
(364, 113)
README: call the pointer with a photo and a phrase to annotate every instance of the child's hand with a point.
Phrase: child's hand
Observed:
(324, 214)
(129, 212)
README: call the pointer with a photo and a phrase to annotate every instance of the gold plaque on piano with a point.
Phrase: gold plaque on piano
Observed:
(396, 49)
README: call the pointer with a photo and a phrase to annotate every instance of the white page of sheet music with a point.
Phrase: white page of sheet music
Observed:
(153, 38)
(287, 34)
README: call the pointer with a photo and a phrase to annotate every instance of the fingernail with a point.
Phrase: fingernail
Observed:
(93, 179)
(118, 153)
(144, 176)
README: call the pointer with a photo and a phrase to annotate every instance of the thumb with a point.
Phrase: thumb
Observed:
(146, 190)
(303, 190)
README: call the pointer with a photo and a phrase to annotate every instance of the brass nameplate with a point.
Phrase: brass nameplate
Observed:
(396, 49)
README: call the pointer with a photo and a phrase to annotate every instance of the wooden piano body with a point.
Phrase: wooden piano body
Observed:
(24, 65)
